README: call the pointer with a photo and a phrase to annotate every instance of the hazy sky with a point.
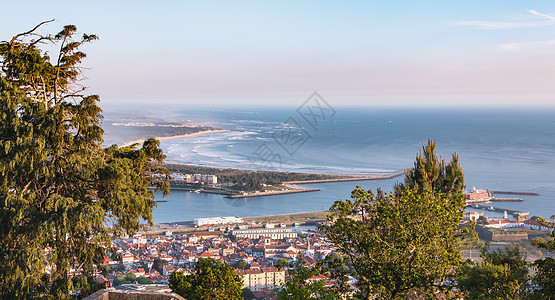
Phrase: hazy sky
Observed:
(352, 52)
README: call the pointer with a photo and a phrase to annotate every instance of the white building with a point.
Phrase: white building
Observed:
(217, 221)
(139, 239)
(272, 233)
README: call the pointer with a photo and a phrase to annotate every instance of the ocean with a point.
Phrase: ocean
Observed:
(499, 149)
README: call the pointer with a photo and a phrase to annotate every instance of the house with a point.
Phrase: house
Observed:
(139, 239)
(535, 225)
(127, 258)
(472, 216)
(104, 281)
(257, 278)
(167, 270)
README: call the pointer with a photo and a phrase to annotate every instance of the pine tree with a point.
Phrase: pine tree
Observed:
(404, 244)
(62, 196)
(431, 174)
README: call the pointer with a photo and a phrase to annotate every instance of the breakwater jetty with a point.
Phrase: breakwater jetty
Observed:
(516, 193)
(507, 199)
(272, 193)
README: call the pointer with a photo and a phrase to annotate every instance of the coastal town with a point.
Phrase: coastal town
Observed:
(253, 252)
(291, 150)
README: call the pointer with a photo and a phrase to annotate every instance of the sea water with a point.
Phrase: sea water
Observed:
(499, 149)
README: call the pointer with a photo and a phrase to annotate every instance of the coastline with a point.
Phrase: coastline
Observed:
(294, 188)
(349, 177)
(171, 137)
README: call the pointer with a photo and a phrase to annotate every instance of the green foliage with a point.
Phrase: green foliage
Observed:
(404, 244)
(61, 194)
(398, 243)
(158, 264)
(545, 278)
(304, 285)
(144, 280)
(242, 265)
(545, 268)
(211, 280)
(341, 263)
(247, 179)
(549, 243)
(104, 269)
(502, 275)
(431, 174)
(120, 279)
(247, 294)
(280, 263)
(131, 277)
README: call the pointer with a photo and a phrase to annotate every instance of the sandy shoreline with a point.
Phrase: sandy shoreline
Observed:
(204, 132)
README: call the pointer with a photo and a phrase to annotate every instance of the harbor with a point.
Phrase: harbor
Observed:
(481, 199)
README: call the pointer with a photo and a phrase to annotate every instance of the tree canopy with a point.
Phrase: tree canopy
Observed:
(211, 280)
(62, 195)
(404, 243)
(545, 268)
(307, 282)
(503, 274)
(432, 174)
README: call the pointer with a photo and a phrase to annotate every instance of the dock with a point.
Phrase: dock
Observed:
(507, 200)
(515, 213)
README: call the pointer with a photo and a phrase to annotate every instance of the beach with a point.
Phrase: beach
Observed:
(165, 138)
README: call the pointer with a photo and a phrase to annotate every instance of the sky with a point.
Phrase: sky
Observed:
(375, 53)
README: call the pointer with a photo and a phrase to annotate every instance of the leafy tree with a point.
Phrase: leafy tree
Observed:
(404, 243)
(131, 277)
(343, 265)
(431, 174)
(144, 280)
(62, 195)
(545, 268)
(120, 279)
(211, 280)
(280, 263)
(306, 284)
(544, 279)
(247, 294)
(104, 269)
(503, 274)
(242, 265)
(398, 243)
(159, 264)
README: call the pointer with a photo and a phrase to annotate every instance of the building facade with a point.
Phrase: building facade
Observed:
(272, 233)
